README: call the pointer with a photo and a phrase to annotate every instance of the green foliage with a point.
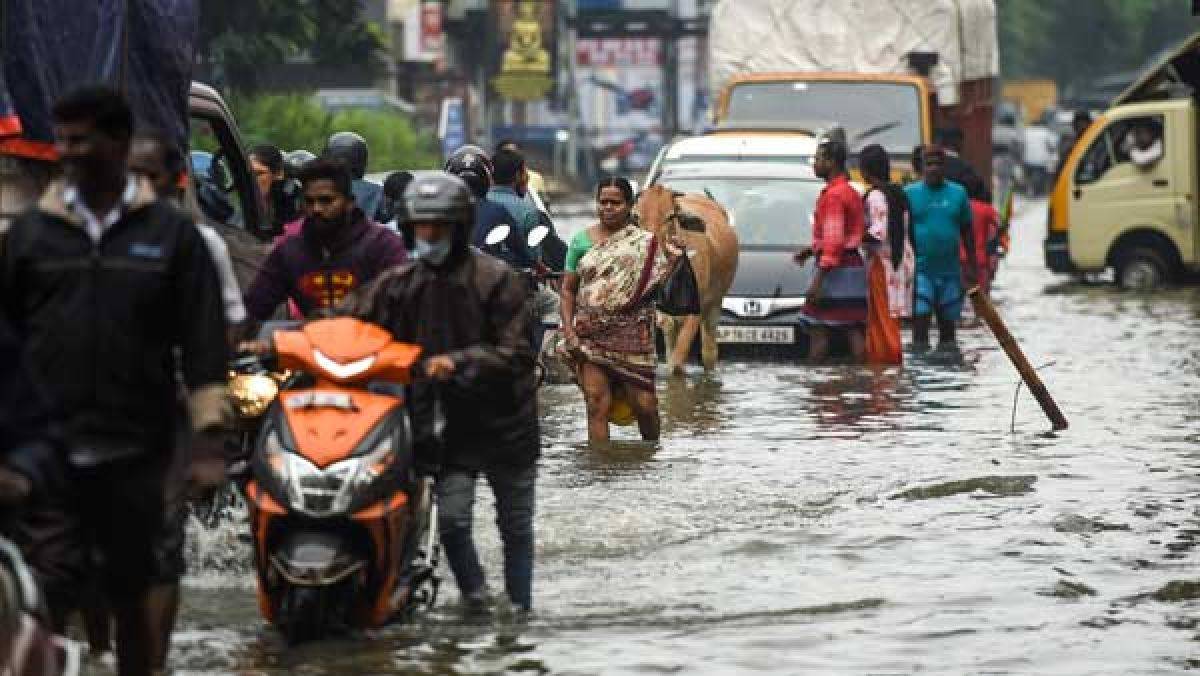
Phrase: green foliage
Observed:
(239, 37)
(296, 121)
(393, 141)
(1077, 40)
(351, 42)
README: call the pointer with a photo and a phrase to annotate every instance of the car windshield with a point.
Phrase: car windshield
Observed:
(871, 112)
(767, 213)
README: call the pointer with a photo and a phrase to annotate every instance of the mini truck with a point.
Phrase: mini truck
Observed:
(1106, 211)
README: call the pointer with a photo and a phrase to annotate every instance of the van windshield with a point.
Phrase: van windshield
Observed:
(871, 112)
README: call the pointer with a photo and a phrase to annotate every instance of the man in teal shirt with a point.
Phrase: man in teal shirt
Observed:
(941, 222)
(511, 180)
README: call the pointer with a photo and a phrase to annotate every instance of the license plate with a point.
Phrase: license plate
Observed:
(769, 335)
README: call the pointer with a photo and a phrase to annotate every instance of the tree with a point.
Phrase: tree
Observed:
(343, 38)
(1073, 42)
(238, 38)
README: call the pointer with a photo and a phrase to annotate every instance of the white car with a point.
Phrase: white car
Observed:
(728, 147)
(770, 205)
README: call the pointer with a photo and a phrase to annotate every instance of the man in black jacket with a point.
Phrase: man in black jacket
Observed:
(28, 459)
(106, 284)
(469, 311)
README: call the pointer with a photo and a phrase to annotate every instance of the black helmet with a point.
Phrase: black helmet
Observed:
(470, 156)
(296, 160)
(349, 149)
(475, 175)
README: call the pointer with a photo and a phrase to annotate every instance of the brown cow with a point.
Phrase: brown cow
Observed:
(713, 246)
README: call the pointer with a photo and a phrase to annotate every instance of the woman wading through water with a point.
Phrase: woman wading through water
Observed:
(614, 269)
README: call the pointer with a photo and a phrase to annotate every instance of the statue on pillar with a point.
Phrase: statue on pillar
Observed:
(525, 52)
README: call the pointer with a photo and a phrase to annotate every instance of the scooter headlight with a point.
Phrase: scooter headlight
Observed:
(357, 474)
(287, 469)
(326, 492)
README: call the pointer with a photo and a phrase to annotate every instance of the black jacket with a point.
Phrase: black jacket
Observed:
(102, 321)
(475, 308)
(25, 426)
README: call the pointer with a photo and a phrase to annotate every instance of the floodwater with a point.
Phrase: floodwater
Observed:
(839, 520)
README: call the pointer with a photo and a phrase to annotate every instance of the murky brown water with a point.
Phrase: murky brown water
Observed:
(840, 520)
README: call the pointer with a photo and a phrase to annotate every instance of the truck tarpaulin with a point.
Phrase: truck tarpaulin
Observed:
(855, 36)
(143, 47)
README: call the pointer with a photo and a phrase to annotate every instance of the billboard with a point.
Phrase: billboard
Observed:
(524, 62)
(423, 35)
(619, 81)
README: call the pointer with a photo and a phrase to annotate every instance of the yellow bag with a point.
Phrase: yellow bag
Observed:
(621, 413)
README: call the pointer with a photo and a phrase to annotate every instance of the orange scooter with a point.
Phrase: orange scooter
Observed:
(344, 526)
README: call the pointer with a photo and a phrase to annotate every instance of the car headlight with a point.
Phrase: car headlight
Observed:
(326, 492)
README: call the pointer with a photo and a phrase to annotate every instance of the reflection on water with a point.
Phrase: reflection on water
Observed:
(692, 405)
(842, 519)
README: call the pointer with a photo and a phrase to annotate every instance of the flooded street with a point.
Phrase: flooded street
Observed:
(838, 519)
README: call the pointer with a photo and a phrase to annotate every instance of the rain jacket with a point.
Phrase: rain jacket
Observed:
(102, 321)
(320, 275)
(475, 309)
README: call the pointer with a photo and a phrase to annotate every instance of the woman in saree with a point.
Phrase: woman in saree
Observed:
(891, 262)
(613, 270)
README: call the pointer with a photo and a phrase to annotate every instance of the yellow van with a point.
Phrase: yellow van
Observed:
(1126, 198)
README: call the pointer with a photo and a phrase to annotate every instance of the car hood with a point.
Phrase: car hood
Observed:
(770, 273)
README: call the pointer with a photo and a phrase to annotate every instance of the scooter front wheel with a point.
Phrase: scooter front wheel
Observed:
(308, 613)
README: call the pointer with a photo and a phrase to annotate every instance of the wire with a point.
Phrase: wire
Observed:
(1017, 394)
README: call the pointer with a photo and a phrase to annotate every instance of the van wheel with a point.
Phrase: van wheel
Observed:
(1142, 268)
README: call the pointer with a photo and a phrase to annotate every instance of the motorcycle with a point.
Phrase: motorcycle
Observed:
(343, 523)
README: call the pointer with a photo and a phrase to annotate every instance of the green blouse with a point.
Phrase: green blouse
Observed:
(580, 244)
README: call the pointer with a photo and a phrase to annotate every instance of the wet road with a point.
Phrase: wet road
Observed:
(839, 520)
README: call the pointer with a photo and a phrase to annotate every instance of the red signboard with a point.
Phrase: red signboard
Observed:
(431, 27)
(619, 52)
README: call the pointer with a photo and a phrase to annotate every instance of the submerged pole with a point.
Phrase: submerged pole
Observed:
(987, 312)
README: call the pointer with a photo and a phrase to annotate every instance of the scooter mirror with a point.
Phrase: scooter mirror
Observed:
(536, 235)
(497, 234)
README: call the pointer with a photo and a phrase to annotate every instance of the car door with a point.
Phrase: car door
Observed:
(1111, 194)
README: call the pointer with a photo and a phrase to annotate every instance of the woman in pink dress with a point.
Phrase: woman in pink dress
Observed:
(889, 227)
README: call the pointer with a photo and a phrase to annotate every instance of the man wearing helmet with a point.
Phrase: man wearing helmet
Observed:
(475, 169)
(469, 313)
(351, 150)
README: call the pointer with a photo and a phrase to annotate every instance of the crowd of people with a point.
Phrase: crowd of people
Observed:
(110, 425)
(896, 253)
